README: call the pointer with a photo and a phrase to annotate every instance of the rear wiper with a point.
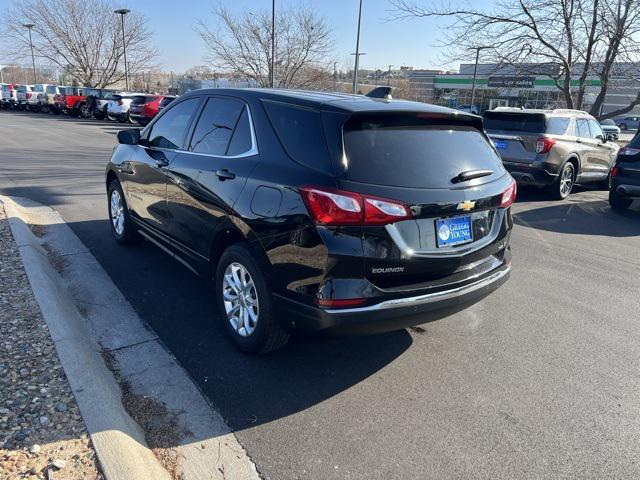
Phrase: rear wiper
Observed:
(470, 175)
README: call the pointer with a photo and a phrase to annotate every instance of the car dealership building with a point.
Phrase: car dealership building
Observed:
(498, 86)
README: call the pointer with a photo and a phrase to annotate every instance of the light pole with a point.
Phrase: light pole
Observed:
(475, 71)
(122, 12)
(29, 26)
(389, 76)
(273, 43)
(335, 77)
(357, 54)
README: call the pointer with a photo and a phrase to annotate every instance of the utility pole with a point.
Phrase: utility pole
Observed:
(389, 76)
(122, 12)
(273, 43)
(473, 83)
(357, 54)
(29, 26)
(335, 77)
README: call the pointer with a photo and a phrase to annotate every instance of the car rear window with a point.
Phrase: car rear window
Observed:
(22, 89)
(51, 89)
(517, 122)
(414, 151)
(166, 101)
(635, 141)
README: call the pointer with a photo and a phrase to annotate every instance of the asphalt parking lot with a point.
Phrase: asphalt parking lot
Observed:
(539, 380)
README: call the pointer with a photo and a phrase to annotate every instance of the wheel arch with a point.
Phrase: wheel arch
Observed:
(577, 164)
(111, 176)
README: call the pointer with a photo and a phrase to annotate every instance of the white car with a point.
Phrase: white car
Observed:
(8, 95)
(119, 105)
(25, 93)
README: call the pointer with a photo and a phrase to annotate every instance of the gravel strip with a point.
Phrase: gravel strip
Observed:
(42, 435)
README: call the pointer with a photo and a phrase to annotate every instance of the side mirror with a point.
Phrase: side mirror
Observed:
(611, 137)
(129, 137)
(602, 138)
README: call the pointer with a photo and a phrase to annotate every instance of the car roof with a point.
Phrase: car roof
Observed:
(330, 100)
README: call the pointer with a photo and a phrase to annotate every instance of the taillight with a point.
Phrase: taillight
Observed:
(614, 172)
(544, 144)
(27, 95)
(337, 207)
(629, 151)
(509, 195)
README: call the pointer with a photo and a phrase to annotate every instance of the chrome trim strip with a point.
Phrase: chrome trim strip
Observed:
(427, 298)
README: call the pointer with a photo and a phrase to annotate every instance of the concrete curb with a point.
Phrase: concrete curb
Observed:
(209, 450)
(118, 440)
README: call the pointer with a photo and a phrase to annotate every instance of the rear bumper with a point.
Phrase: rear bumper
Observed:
(531, 174)
(392, 314)
(627, 188)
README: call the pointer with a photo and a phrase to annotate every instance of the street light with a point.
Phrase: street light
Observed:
(475, 71)
(389, 76)
(122, 12)
(29, 26)
(357, 54)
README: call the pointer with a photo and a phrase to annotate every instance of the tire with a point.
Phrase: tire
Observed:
(122, 226)
(123, 118)
(84, 111)
(562, 187)
(623, 127)
(261, 334)
(605, 185)
(98, 115)
(45, 109)
(617, 202)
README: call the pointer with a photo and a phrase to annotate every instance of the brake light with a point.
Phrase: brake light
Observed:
(509, 195)
(614, 172)
(629, 151)
(544, 144)
(28, 95)
(338, 207)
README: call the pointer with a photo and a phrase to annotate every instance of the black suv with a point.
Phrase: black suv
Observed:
(625, 176)
(318, 211)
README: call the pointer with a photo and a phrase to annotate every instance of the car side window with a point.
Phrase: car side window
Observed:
(596, 130)
(583, 128)
(170, 130)
(215, 126)
(557, 125)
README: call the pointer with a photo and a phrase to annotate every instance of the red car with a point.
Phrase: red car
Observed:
(144, 107)
(71, 102)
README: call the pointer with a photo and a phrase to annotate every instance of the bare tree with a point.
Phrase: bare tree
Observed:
(574, 40)
(82, 37)
(242, 44)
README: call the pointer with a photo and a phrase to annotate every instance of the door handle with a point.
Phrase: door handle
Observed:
(225, 174)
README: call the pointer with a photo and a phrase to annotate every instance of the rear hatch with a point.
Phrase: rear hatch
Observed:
(515, 134)
(628, 161)
(445, 171)
(138, 102)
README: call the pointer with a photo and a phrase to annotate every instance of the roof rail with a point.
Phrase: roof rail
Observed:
(568, 110)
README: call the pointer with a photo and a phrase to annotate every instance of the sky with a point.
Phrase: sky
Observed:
(407, 42)
(400, 42)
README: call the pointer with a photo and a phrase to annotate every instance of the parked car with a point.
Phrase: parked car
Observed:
(551, 148)
(469, 109)
(8, 96)
(625, 176)
(164, 103)
(71, 101)
(119, 105)
(144, 107)
(610, 128)
(47, 100)
(24, 95)
(630, 122)
(97, 101)
(351, 214)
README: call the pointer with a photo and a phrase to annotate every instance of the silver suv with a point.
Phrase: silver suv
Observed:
(551, 148)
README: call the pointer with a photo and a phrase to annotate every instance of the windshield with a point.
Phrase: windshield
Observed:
(515, 121)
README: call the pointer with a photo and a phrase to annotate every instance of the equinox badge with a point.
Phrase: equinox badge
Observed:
(466, 205)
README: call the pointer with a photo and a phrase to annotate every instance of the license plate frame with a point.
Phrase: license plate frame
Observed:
(451, 231)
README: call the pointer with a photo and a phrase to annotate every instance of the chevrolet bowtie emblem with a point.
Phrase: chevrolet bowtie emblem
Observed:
(466, 205)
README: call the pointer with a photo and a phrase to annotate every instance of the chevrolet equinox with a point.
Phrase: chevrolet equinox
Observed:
(317, 211)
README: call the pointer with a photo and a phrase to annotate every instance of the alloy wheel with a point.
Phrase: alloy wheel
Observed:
(240, 299)
(566, 180)
(117, 212)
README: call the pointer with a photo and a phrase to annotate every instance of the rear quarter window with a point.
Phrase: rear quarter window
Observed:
(403, 151)
(558, 125)
(301, 134)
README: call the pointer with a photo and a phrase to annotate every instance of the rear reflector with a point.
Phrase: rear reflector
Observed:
(329, 206)
(544, 144)
(614, 172)
(344, 303)
(509, 195)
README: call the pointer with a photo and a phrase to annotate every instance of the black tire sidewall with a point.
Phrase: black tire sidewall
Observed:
(255, 342)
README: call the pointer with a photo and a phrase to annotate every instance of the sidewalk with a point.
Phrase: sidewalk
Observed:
(42, 435)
